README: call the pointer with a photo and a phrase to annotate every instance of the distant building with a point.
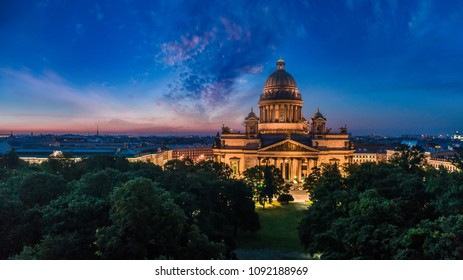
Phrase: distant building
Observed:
(436, 159)
(281, 136)
(195, 154)
(154, 155)
(361, 157)
(442, 159)
(457, 136)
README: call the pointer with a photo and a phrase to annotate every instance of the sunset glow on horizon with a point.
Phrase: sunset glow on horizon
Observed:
(189, 67)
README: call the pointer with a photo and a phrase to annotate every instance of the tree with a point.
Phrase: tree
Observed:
(410, 159)
(100, 162)
(11, 160)
(11, 217)
(266, 182)
(211, 200)
(40, 188)
(285, 197)
(218, 170)
(367, 213)
(119, 212)
(144, 169)
(144, 219)
(65, 166)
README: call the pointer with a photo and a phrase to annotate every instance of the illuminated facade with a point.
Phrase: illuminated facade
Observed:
(281, 136)
(38, 156)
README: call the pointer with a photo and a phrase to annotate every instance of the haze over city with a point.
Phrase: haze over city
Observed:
(187, 67)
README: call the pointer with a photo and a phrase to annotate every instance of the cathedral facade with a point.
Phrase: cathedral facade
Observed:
(281, 136)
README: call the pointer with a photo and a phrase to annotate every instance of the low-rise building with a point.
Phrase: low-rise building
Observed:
(195, 154)
(154, 155)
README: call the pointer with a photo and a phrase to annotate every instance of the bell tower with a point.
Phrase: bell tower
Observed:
(318, 123)
(251, 123)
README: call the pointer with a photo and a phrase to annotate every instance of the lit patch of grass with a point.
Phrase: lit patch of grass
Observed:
(278, 235)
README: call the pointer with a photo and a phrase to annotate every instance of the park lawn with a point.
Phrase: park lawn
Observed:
(278, 236)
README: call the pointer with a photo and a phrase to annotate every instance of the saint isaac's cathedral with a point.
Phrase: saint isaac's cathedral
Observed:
(281, 136)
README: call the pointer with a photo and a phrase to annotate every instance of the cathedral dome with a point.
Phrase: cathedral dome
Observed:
(280, 84)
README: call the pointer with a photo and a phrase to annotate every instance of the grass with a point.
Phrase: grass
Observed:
(278, 237)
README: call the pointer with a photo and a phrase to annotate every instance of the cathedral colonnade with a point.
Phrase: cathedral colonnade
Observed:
(289, 113)
(292, 168)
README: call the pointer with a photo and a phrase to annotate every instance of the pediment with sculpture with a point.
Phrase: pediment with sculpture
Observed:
(288, 146)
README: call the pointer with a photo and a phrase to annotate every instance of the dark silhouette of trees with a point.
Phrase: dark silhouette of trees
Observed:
(147, 224)
(266, 182)
(396, 210)
(108, 208)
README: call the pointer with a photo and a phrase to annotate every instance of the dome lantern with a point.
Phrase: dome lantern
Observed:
(281, 64)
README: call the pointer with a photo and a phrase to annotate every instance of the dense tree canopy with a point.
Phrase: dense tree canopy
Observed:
(109, 208)
(396, 210)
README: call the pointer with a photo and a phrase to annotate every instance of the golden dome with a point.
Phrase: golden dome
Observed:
(280, 84)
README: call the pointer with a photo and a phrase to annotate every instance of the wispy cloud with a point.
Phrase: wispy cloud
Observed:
(36, 99)
(209, 64)
(47, 102)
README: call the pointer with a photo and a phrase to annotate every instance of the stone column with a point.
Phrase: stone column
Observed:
(272, 119)
(293, 109)
(267, 114)
(299, 169)
(289, 113)
(277, 112)
(283, 170)
(291, 169)
(295, 168)
(269, 108)
(286, 113)
(295, 113)
(261, 116)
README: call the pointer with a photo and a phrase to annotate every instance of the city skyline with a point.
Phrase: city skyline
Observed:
(181, 67)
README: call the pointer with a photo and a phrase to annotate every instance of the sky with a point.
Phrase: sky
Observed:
(178, 67)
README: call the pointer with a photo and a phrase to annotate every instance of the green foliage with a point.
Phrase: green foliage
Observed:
(410, 159)
(266, 182)
(145, 170)
(40, 188)
(109, 208)
(144, 219)
(101, 162)
(396, 210)
(10, 160)
(285, 198)
(66, 167)
(11, 217)
(217, 204)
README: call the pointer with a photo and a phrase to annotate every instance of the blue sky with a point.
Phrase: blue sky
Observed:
(182, 67)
